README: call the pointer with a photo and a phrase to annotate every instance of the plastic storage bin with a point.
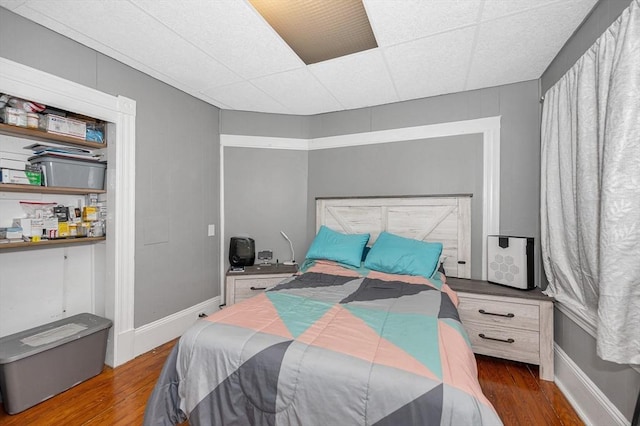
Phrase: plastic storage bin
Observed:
(39, 363)
(71, 173)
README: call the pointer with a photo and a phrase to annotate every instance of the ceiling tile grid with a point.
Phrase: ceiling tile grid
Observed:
(225, 53)
(357, 80)
(300, 91)
(228, 30)
(519, 47)
(244, 96)
(401, 21)
(431, 66)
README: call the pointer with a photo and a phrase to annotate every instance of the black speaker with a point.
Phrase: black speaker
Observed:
(242, 251)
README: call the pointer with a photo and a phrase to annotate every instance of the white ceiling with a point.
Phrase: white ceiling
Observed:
(224, 53)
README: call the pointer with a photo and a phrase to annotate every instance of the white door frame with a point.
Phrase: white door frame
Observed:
(488, 127)
(29, 83)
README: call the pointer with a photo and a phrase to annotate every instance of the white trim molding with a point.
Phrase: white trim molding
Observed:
(124, 203)
(579, 320)
(223, 284)
(264, 142)
(159, 332)
(488, 127)
(593, 407)
(30, 83)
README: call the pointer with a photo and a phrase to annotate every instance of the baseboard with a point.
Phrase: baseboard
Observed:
(593, 407)
(154, 334)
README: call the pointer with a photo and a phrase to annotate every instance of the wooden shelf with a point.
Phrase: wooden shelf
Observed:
(49, 243)
(43, 136)
(12, 187)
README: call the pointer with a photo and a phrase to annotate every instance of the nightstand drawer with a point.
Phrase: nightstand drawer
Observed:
(504, 342)
(255, 280)
(493, 312)
(245, 288)
(525, 317)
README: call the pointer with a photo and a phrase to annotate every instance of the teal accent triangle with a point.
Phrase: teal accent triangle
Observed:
(297, 313)
(361, 270)
(455, 324)
(436, 281)
(413, 333)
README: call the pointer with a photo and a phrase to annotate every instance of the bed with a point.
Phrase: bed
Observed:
(362, 336)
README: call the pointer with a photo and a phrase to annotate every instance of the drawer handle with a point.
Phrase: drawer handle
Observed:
(483, 312)
(258, 288)
(509, 340)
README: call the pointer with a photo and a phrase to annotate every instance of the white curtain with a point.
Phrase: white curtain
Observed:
(590, 188)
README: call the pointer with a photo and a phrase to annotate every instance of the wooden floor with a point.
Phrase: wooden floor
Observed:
(118, 396)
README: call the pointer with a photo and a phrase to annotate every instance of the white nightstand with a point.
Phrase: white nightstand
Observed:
(255, 280)
(507, 323)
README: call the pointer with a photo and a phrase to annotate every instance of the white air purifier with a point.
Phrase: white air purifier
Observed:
(510, 261)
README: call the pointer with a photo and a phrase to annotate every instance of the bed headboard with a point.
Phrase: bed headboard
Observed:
(446, 219)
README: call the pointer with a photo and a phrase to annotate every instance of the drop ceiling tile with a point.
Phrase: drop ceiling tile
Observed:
(213, 101)
(299, 91)
(123, 31)
(12, 4)
(230, 31)
(396, 21)
(245, 96)
(503, 55)
(493, 9)
(357, 80)
(431, 66)
(208, 47)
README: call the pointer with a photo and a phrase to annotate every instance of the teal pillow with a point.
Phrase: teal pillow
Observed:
(394, 254)
(343, 248)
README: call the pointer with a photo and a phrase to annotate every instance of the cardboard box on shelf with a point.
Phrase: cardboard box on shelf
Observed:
(63, 229)
(30, 227)
(50, 226)
(63, 126)
(15, 232)
(14, 176)
(89, 213)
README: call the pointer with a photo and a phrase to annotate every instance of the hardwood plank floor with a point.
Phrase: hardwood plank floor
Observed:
(118, 396)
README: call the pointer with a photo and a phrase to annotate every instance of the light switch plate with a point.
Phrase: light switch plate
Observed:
(211, 232)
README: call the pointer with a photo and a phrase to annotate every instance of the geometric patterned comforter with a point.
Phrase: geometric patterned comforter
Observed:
(331, 346)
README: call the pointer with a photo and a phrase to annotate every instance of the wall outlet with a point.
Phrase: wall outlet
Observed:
(211, 232)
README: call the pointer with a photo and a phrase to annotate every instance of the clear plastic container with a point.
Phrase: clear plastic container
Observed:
(15, 117)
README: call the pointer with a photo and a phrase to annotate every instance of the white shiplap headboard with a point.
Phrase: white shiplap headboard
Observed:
(446, 219)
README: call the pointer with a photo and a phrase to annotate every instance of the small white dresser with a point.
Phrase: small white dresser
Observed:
(255, 280)
(507, 323)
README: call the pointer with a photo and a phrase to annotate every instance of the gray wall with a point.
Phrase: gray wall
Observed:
(451, 165)
(621, 384)
(260, 124)
(177, 187)
(405, 168)
(518, 106)
(177, 183)
(266, 189)
(265, 193)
